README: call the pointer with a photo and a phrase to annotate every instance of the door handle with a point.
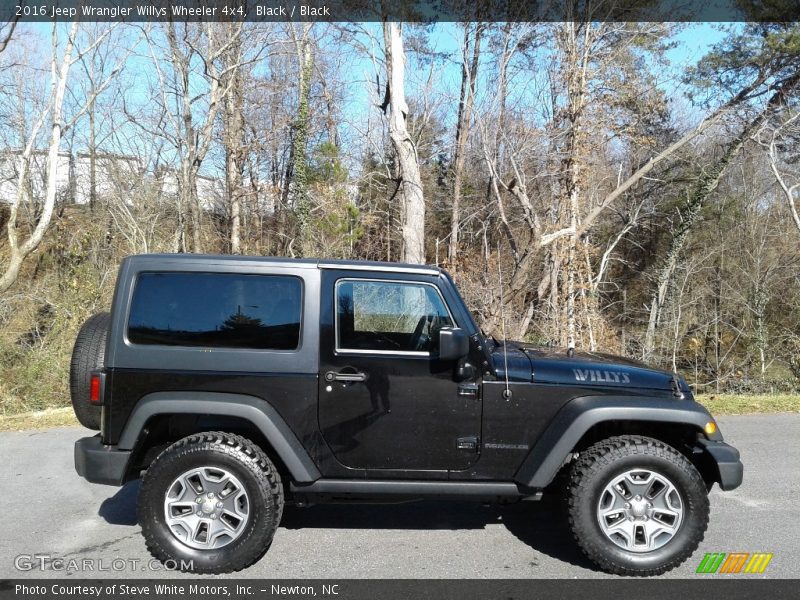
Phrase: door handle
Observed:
(469, 390)
(345, 377)
(467, 443)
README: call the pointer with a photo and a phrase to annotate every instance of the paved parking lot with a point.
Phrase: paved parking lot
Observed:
(47, 508)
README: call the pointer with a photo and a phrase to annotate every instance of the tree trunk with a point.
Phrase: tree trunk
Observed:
(577, 54)
(296, 190)
(234, 144)
(410, 193)
(18, 252)
(92, 158)
(192, 142)
(469, 76)
(330, 118)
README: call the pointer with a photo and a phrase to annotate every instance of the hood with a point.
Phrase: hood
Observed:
(514, 361)
(549, 365)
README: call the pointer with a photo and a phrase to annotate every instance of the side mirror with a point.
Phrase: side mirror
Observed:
(453, 343)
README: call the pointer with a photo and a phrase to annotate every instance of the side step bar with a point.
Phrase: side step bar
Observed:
(414, 488)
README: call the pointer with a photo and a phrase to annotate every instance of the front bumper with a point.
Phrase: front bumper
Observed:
(725, 460)
(97, 463)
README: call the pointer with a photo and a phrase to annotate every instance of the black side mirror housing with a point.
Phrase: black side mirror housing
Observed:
(453, 343)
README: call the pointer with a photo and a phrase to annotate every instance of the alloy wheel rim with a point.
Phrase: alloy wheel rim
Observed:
(206, 508)
(640, 510)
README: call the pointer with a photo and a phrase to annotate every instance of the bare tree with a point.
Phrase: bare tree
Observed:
(410, 190)
(782, 156)
(190, 128)
(234, 136)
(473, 34)
(697, 197)
(59, 73)
(7, 32)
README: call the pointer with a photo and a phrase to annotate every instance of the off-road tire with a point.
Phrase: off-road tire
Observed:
(250, 465)
(88, 354)
(603, 461)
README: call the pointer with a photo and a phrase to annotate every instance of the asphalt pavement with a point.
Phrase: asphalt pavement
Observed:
(46, 509)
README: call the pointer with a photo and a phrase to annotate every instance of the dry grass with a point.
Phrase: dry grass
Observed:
(730, 404)
(40, 419)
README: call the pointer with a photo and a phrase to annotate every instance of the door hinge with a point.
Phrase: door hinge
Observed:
(469, 390)
(468, 443)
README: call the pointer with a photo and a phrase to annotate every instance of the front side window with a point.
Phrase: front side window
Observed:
(218, 310)
(389, 316)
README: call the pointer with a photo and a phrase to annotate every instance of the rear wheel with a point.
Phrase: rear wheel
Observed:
(88, 354)
(636, 505)
(211, 503)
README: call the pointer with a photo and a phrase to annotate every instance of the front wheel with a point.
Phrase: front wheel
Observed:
(210, 503)
(636, 505)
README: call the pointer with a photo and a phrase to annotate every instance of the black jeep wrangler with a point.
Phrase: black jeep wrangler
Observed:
(235, 384)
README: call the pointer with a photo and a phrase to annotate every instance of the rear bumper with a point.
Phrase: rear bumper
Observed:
(725, 459)
(97, 463)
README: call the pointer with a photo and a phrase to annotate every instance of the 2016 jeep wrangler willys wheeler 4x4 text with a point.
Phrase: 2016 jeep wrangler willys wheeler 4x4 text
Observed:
(235, 384)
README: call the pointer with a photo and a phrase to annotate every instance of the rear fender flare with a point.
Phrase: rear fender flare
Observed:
(255, 410)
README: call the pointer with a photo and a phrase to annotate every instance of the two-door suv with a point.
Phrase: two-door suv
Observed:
(232, 385)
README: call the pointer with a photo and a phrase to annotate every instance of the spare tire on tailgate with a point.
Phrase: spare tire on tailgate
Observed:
(87, 356)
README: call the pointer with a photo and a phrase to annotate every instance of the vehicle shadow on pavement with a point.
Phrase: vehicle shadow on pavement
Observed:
(543, 526)
(540, 525)
(120, 509)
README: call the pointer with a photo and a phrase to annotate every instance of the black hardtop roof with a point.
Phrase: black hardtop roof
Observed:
(277, 261)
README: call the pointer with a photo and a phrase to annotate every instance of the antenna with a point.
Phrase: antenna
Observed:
(507, 392)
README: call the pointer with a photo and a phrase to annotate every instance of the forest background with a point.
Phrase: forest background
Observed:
(633, 185)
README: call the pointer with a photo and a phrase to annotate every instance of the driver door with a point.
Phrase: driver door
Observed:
(386, 401)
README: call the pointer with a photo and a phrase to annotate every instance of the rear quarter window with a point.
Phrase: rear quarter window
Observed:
(220, 310)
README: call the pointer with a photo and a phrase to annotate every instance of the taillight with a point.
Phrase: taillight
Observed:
(94, 389)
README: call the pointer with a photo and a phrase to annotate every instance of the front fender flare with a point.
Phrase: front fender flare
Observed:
(581, 414)
(255, 410)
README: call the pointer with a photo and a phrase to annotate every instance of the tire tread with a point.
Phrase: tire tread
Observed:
(601, 455)
(88, 354)
(266, 475)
